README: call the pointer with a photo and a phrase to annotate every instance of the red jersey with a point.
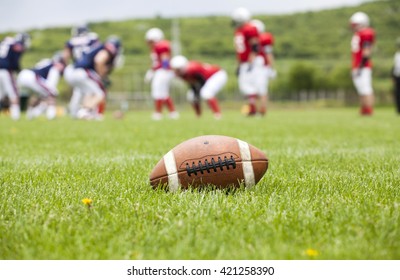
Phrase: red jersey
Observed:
(199, 72)
(360, 38)
(266, 40)
(243, 35)
(157, 51)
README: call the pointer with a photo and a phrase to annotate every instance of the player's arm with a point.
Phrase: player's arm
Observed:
(196, 87)
(271, 59)
(101, 65)
(269, 50)
(366, 53)
(254, 48)
(19, 50)
(53, 79)
(165, 57)
(200, 80)
(66, 54)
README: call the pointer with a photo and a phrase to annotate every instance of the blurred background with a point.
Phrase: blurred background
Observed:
(312, 43)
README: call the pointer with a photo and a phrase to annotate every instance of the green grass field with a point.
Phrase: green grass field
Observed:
(332, 190)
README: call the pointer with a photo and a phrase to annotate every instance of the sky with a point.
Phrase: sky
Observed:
(20, 15)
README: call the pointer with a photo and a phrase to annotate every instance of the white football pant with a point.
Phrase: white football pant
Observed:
(214, 84)
(362, 80)
(160, 83)
(8, 87)
(250, 76)
(44, 87)
(88, 82)
(77, 95)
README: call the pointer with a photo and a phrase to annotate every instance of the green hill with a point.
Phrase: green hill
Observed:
(319, 40)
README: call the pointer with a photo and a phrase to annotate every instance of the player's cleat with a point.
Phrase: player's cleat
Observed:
(174, 115)
(263, 111)
(217, 116)
(156, 116)
(366, 111)
(245, 110)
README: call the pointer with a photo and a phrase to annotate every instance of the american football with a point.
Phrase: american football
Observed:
(220, 161)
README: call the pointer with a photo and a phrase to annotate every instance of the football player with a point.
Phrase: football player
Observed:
(266, 40)
(81, 41)
(247, 47)
(11, 50)
(396, 76)
(205, 81)
(160, 74)
(90, 74)
(43, 80)
(361, 48)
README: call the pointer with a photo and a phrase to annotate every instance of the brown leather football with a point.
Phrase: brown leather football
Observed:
(220, 161)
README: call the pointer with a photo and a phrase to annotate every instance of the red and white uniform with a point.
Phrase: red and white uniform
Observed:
(359, 39)
(243, 35)
(158, 50)
(362, 77)
(266, 41)
(210, 78)
(249, 71)
(162, 74)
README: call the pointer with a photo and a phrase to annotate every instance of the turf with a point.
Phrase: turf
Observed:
(332, 190)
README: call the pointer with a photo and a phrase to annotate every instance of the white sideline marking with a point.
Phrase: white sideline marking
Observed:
(170, 166)
(248, 171)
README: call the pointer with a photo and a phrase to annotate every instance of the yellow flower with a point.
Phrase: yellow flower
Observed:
(312, 253)
(87, 202)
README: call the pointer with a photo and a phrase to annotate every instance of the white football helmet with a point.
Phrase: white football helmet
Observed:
(359, 19)
(154, 34)
(241, 15)
(258, 24)
(178, 62)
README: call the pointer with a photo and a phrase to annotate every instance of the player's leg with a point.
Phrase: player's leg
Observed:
(77, 94)
(48, 93)
(173, 114)
(10, 88)
(194, 101)
(210, 90)
(262, 85)
(367, 104)
(160, 87)
(158, 95)
(94, 94)
(397, 93)
(25, 79)
(51, 111)
(247, 87)
(264, 104)
(363, 83)
(75, 101)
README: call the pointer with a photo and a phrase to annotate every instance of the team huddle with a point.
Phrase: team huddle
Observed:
(86, 62)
